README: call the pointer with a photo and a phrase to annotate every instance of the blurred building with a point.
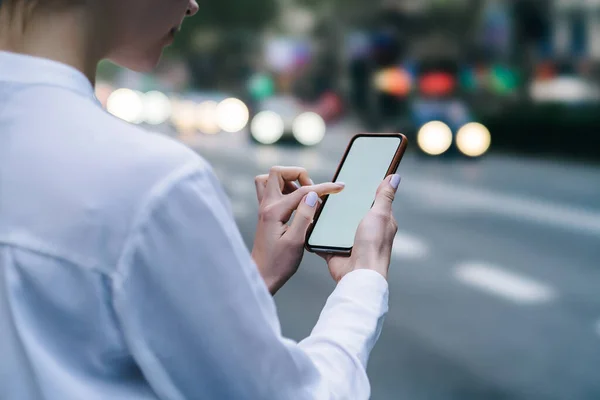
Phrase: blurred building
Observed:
(576, 28)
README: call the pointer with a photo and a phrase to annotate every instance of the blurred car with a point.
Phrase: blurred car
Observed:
(430, 109)
(440, 118)
(446, 126)
(421, 94)
(209, 113)
(285, 118)
(188, 113)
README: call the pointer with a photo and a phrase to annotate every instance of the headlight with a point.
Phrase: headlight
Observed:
(309, 128)
(127, 105)
(206, 118)
(473, 139)
(184, 116)
(232, 115)
(267, 127)
(157, 108)
(434, 138)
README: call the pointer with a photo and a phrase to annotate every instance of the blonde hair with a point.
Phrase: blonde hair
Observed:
(43, 3)
(29, 6)
(16, 15)
(20, 12)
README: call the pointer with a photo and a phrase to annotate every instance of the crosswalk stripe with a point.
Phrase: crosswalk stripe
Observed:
(408, 246)
(502, 283)
(535, 210)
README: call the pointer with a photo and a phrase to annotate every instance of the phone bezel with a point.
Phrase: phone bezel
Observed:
(343, 251)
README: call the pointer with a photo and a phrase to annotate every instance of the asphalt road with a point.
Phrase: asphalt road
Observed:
(495, 280)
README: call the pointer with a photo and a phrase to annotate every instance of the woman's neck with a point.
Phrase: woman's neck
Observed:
(64, 37)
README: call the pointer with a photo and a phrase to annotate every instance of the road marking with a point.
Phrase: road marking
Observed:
(455, 198)
(407, 246)
(572, 218)
(497, 281)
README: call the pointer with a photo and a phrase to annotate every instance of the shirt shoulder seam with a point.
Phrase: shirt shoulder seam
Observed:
(148, 204)
(46, 251)
(22, 87)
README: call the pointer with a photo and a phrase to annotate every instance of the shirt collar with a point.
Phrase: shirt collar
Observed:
(32, 70)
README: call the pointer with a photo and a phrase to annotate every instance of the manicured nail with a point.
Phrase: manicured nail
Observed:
(395, 181)
(311, 199)
(296, 185)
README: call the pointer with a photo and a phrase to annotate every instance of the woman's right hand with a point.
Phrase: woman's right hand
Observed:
(374, 236)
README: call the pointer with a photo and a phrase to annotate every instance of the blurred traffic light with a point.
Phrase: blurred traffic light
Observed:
(261, 86)
(502, 79)
(394, 81)
(437, 84)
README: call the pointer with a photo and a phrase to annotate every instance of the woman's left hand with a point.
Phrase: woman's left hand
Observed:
(279, 247)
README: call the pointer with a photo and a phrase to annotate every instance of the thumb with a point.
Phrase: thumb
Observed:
(386, 194)
(304, 216)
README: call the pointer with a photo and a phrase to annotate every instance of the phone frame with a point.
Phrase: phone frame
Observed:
(391, 170)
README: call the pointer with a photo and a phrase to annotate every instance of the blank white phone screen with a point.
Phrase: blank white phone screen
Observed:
(365, 167)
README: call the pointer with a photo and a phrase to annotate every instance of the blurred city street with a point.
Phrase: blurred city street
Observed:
(494, 280)
(495, 276)
(495, 272)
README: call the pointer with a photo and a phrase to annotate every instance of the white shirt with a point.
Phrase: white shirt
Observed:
(123, 274)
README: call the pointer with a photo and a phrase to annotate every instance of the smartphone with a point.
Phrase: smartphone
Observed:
(368, 159)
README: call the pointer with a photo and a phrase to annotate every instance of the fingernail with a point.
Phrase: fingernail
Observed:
(342, 184)
(312, 183)
(296, 185)
(311, 199)
(395, 181)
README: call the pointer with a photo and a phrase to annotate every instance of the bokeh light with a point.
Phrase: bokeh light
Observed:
(437, 84)
(434, 138)
(309, 128)
(473, 139)
(394, 81)
(184, 116)
(157, 108)
(232, 115)
(267, 127)
(127, 105)
(206, 117)
(504, 80)
(261, 86)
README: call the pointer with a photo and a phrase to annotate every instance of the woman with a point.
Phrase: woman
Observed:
(122, 273)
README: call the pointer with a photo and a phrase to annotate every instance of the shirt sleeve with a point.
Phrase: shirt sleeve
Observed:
(201, 324)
